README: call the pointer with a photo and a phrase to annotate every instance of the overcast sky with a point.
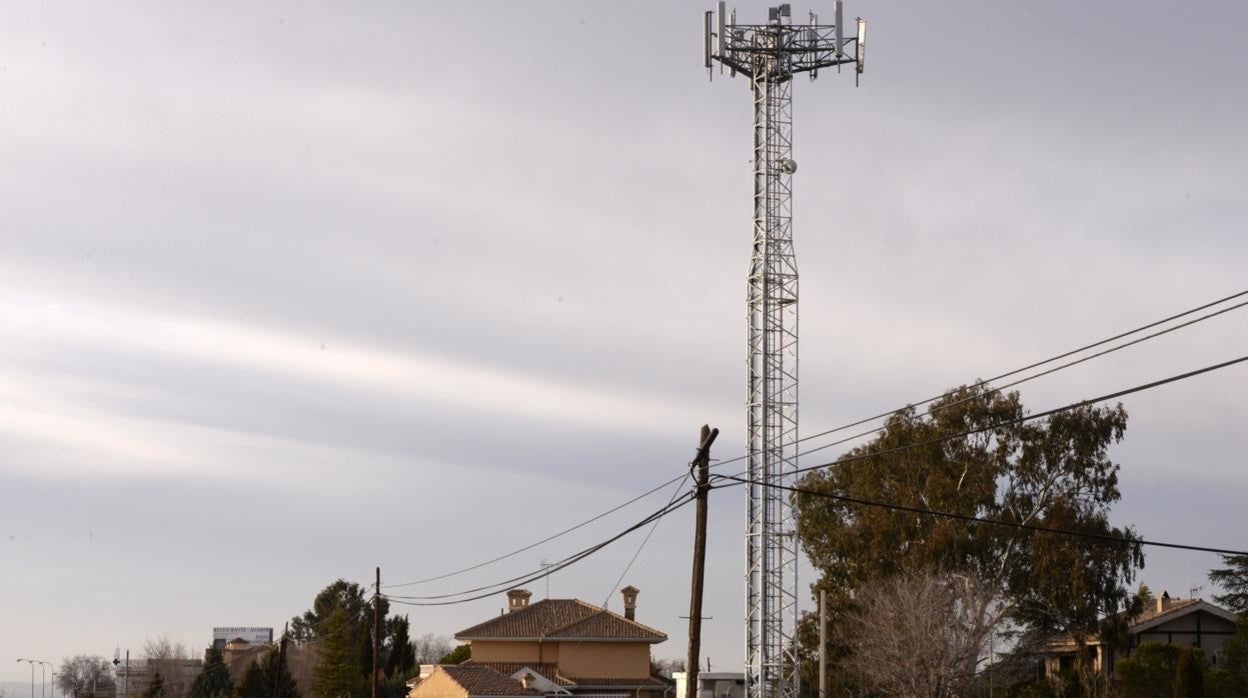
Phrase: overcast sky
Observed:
(291, 290)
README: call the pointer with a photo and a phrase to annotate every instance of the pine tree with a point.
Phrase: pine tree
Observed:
(156, 687)
(400, 655)
(286, 682)
(1234, 579)
(338, 672)
(252, 684)
(214, 679)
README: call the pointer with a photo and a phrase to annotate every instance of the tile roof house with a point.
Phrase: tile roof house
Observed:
(1191, 622)
(465, 681)
(567, 646)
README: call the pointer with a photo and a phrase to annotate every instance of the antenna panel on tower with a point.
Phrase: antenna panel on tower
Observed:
(860, 46)
(840, 33)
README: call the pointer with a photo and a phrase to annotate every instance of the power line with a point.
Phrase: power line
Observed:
(1020, 381)
(545, 571)
(979, 519)
(530, 546)
(641, 547)
(1059, 357)
(1017, 371)
(1026, 418)
(860, 422)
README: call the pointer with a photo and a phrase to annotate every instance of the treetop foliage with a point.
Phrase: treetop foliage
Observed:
(1234, 579)
(1053, 472)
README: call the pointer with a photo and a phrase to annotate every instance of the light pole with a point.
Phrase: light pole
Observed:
(43, 672)
(31, 662)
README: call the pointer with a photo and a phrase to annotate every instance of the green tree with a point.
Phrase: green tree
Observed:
(1234, 579)
(459, 655)
(352, 632)
(1189, 674)
(400, 654)
(252, 684)
(213, 681)
(337, 674)
(1053, 472)
(261, 675)
(1230, 677)
(1149, 673)
(155, 687)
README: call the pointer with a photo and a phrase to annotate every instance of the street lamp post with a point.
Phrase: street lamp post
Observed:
(43, 672)
(31, 662)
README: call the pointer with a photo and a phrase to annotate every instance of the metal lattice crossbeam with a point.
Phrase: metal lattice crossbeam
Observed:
(770, 55)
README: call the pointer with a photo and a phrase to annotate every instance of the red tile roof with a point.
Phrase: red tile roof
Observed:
(561, 619)
(546, 669)
(483, 681)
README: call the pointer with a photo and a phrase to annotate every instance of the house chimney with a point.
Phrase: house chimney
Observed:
(630, 601)
(517, 600)
(1163, 602)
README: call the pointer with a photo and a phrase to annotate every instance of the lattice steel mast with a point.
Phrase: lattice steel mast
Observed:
(770, 55)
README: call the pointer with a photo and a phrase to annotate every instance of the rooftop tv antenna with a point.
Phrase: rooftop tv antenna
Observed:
(770, 55)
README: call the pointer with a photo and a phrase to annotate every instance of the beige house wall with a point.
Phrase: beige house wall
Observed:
(438, 685)
(515, 651)
(615, 660)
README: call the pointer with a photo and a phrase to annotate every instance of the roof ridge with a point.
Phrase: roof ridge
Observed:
(615, 615)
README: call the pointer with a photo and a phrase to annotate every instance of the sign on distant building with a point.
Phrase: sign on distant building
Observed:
(255, 636)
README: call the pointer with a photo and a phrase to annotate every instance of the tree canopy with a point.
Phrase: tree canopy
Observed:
(155, 687)
(82, 674)
(1234, 579)
(974, 458)
(259, 679)
(213, 681)
(400, 654)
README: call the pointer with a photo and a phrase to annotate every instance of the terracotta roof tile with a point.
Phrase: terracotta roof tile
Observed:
(1151, 613)
(483, 681)
(546, 669)
(561, 619)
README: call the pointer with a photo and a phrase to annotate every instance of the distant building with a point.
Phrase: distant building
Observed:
(238, 654)
(717, 684)
(254, 636)
(177, 674)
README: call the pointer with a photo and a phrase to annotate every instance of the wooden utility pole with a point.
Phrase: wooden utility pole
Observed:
(701, 469)
(823, 643)
(281, 662)
(376, 627)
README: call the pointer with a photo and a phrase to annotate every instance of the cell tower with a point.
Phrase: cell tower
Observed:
(770, 55)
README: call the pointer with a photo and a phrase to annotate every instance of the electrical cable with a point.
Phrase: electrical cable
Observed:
(1028, 417)
(545, 571)
(526, 548)
(1017, 420)
(1016, 371)
(980, 519)
(644, 541)
(882, 415)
